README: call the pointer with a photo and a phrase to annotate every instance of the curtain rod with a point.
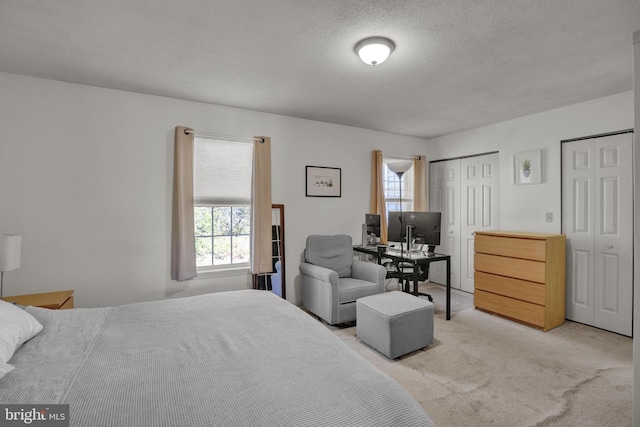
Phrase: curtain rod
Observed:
(224, 137)
(393, 156)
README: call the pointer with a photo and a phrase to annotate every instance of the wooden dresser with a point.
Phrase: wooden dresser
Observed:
(521, 275)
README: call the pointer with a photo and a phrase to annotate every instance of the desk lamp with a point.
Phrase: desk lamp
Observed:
(10, 245)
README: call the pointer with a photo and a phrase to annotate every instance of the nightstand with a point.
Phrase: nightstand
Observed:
(53, 300)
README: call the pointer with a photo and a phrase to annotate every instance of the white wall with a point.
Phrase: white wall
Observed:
(523, 207)
(86, 176)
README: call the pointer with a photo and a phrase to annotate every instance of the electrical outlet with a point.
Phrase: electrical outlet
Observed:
(549, 216)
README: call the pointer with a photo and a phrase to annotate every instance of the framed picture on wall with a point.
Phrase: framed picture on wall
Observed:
(528, 167)
(323, 182)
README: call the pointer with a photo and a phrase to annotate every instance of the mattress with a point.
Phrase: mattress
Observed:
(242, 358)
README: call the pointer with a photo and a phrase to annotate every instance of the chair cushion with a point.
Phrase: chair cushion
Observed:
(332, 252)
(350, 290)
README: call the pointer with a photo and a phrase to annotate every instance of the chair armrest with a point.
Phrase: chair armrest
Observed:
(320, 273)
(320, 291)
(368, 271)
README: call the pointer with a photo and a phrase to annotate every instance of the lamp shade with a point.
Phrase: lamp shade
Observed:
(10, 247)
(400, 167)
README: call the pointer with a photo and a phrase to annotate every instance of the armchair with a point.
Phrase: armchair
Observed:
(332, 280)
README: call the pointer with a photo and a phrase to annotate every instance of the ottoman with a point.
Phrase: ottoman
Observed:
(394, 323)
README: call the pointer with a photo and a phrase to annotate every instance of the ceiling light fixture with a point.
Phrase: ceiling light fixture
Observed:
(374, 50)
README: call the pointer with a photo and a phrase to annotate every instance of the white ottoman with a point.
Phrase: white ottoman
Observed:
(394, 323)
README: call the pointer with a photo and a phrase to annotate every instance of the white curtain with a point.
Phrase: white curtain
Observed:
(420, 183)
(183, 246)
(261, 252)
(377, 203)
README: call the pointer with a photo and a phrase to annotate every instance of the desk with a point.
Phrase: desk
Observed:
(417, 259)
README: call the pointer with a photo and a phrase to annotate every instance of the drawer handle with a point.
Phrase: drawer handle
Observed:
(609, 246)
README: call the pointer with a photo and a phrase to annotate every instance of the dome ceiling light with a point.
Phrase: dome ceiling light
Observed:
(374, 50)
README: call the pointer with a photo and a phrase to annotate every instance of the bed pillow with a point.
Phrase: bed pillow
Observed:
(16, 327)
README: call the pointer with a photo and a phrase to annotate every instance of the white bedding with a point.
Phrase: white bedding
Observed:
(245, 358)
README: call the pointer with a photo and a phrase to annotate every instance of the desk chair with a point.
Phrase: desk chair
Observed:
(403, 273)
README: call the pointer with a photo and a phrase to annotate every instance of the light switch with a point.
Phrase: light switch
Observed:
(549, 216)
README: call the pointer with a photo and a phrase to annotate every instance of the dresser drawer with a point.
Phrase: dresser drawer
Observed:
(512, 247)
(533, 271)
(524, 311)
(513, 288)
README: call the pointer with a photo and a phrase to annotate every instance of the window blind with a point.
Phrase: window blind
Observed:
(222, 172)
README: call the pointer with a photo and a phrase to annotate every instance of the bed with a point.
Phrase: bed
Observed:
(241, 358)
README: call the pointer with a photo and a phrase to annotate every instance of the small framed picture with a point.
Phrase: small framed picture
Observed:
(324, 182)
(528, 167)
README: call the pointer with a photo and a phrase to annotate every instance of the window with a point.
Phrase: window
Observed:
(222, 235)
(222, 197)
(391, 185)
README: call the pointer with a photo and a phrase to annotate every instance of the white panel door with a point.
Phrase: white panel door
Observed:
(578, 211)
(597, 220)
(445, 197)
(479, 208)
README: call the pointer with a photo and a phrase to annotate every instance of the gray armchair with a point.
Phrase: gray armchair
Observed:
(332, 280)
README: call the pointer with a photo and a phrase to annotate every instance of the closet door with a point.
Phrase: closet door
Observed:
(466, 192)
(480, 209)
(445, 198)
(597, 220)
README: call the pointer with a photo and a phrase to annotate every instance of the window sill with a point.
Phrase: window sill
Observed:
(226, 272)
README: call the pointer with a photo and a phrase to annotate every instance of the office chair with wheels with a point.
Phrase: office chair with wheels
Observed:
(403, 273)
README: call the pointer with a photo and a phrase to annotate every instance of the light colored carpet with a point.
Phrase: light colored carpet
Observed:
(484, 370)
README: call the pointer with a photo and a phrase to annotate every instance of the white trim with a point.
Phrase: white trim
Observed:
(210, 272)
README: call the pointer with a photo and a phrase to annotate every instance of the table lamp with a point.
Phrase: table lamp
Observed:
(10, 246)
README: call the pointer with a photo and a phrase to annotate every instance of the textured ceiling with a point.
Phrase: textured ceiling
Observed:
(458, 64)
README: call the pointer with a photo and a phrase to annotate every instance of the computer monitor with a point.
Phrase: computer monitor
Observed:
(371, 230)
(418, 227)
(373, 224)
